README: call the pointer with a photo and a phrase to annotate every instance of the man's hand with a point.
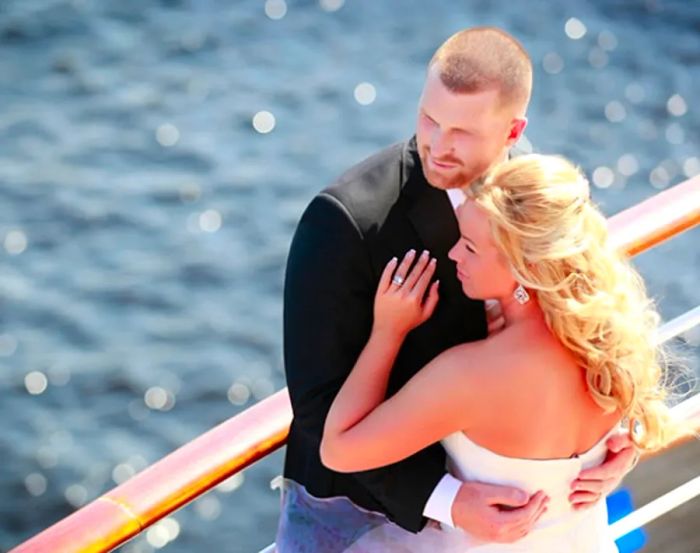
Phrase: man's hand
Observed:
(497, 514)
(597, 482)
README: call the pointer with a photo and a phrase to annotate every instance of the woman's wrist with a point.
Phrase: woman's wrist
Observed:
(387, 336)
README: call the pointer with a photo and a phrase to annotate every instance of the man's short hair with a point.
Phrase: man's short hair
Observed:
(486, 58)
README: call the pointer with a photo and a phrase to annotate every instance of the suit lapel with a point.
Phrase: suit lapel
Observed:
(431, 214)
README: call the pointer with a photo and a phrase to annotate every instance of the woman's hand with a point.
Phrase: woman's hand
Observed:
(401, 303)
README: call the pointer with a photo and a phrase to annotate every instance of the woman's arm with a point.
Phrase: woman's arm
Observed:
(362, 430)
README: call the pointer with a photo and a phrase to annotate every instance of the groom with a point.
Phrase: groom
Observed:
(471, 112)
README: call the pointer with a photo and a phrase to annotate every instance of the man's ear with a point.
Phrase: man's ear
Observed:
(517, 128)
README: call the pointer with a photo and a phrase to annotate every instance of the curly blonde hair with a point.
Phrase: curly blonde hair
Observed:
(594, 302)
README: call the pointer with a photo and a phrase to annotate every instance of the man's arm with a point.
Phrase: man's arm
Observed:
(328, 299)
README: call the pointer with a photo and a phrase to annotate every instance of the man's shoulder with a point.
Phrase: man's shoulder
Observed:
(376, 167)
(368, 189)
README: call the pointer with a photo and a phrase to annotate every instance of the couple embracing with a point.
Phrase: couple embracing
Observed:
(424, 421)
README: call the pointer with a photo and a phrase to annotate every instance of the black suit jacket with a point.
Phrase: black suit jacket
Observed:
(378, 209)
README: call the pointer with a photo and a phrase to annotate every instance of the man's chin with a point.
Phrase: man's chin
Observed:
(443, 181)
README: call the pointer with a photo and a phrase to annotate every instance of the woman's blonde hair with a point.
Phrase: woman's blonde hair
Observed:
(594, 302)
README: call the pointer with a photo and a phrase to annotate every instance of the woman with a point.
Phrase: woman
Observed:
(533, 404)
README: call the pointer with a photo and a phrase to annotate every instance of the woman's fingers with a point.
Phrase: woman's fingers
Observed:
(423, 279)
(431, 302)
(401, 273)
(385, 280)
(417, 271)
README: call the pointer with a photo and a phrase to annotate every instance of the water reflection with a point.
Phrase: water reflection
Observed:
(167, 135)
(36, 382)
(275, 9)
(607, 40)
(628, 165)
(603, 177)
(575, 29)
(676, 105)
(15, 242)
(691, 167)
(365, 94)
(264, 122)
(552, 63)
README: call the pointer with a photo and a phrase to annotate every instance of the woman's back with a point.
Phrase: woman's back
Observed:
(535, 402)
(542, 428)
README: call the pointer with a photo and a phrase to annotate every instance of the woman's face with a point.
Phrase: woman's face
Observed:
(481, 268)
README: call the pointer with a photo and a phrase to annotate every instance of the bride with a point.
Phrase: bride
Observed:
(533, 404)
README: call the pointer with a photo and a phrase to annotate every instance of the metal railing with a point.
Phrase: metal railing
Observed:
(198, 466)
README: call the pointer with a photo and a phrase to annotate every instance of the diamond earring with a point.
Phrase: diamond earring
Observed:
(521, 295)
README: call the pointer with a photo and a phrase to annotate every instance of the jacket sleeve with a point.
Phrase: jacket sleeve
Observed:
(328, 303)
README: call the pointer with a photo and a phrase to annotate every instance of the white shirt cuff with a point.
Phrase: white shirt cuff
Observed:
(439, 505)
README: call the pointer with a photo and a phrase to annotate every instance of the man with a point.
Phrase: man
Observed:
(471, 112)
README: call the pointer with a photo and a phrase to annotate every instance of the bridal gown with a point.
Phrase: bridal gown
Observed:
(335, 524)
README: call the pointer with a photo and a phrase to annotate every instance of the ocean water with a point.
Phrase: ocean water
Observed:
(155, 157)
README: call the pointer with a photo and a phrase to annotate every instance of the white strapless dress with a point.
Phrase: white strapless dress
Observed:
(559, 530)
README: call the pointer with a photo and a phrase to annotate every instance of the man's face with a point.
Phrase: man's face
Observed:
(460, 136)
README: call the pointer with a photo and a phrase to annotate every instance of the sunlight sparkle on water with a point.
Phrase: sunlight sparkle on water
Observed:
(331, 5)
(232, 483)
(552, 63)
(264, 122)
(122, 472)
(158, 398)
(603, 177)
(574, 28)
(208, 507)
(659, 177)
(675, 134)
(635, 93)
(607, 40)
(210, 220)
(35, 484)
(275, 9)
(35, 382)
(676, 105)
(615, 111)
(238, 393)
(8, 345)
(167, 135)
(76, 495)
(597, 58)
(15, 242)
(365, 94)
(627, 165)
(691, 167)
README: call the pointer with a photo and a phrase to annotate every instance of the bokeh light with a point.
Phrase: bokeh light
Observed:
(575, 29)
(264, 122)
(365, 94)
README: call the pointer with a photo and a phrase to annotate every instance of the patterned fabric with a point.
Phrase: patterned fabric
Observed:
(313, 525)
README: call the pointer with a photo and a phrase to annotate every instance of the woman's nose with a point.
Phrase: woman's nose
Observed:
(452, 254)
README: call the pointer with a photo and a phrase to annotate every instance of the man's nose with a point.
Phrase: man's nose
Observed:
(440, 144)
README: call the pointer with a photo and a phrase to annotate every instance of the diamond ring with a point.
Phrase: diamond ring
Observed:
(398, 280)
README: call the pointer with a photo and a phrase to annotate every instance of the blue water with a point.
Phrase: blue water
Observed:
(144, 222)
